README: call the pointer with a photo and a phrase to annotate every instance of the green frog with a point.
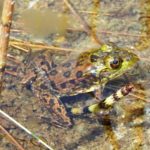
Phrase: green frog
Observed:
(87, 73)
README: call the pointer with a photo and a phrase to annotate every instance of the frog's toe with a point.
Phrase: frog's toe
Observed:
(62, 121)
(63, 124)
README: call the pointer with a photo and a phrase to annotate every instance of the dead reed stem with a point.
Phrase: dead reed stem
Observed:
(11, 138)
(6, 20)
(88, 28)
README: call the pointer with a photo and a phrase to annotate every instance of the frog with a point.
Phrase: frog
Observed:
(89, 72)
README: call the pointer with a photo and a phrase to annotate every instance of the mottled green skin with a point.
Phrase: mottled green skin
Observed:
(91, 70)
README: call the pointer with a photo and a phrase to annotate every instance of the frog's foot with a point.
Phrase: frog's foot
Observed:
(57, 110)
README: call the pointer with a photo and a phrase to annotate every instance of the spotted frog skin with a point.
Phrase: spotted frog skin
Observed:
(87, 73)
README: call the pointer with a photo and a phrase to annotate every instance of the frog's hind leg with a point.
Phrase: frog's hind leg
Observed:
(58, 114)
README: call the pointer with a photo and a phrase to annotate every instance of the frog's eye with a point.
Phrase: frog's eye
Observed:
(94, 58)
(115, 63)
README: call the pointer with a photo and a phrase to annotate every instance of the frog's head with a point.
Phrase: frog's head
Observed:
(110, 62)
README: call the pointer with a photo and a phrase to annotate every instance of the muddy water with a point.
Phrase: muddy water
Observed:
(125, 23)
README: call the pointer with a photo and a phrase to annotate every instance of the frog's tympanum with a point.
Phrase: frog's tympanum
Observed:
(87, 73)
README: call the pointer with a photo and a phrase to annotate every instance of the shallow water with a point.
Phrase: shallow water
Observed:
(125, 23)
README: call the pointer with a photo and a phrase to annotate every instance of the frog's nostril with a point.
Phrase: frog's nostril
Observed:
(128, 58)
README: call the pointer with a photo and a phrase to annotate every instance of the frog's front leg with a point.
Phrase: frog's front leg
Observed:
(105, 104)
(110, 100)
